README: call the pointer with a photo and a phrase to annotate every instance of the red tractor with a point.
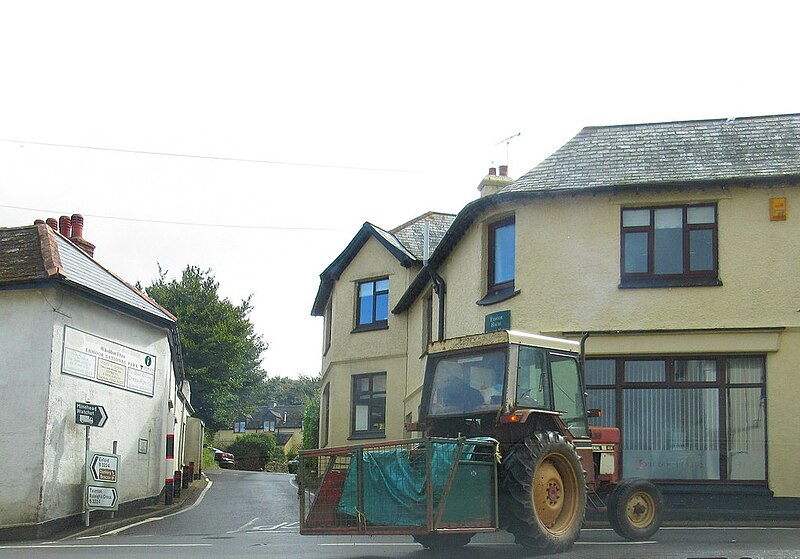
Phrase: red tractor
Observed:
(506, 444)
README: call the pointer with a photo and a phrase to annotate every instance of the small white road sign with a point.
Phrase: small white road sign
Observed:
(101, 497)
(104, 467)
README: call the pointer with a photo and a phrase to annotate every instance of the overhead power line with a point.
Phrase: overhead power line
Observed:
(211, 157)
(48, 213)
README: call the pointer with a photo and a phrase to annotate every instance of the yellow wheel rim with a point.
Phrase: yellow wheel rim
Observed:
(640, 509)
(555, 493)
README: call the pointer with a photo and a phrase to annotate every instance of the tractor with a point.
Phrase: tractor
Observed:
(505, 444)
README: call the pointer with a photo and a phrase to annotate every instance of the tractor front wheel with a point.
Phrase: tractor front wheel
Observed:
(636, 509)
(544, 493)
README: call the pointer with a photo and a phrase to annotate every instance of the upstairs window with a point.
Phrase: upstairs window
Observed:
(502, 239)
(669, 247)
(372, 310)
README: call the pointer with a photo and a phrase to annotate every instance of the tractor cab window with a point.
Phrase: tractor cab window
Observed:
(533, 387)
(568, 394)
(560, 390)
(468, 384)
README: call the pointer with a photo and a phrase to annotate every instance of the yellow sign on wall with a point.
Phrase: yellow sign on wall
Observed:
(777, 209)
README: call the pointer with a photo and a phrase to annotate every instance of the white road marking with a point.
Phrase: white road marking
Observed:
(616, 543)
(180, 511)
(283, 527)
(365, 544)
(103, 545)
(243, 527)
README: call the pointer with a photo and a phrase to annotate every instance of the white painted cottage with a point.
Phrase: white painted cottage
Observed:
(72, 331)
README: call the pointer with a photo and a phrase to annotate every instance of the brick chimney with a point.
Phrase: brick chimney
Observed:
(493, 182)
(77, 235)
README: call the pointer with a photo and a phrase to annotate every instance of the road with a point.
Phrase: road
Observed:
(254, 514)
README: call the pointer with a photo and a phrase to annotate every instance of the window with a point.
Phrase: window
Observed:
(427, 322)
(471, 384)
(325, 413)
(369, 406)
(669, 246)
(684, 418)
(328, 317)
(372, 310)
(502, 235)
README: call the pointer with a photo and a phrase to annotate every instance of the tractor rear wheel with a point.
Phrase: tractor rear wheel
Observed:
(544, 493)
(443, 541)
(636, 509)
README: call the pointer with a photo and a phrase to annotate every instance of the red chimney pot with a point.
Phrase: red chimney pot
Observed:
(65, 225)
(503, 170)
(492, 171)
(77, 226)
(53, 223)
(39, 222)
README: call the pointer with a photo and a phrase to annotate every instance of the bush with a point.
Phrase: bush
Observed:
(253, 451)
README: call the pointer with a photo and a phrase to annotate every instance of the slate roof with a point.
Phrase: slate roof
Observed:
(292, 412)
(412, 233)
(37, 253)
(750, 149)
(404, 242)
(743, 151)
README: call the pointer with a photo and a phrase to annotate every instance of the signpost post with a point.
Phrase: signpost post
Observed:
(101, 471)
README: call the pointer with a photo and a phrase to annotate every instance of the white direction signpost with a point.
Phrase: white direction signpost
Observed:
(103, 467)
(102, 475)
(104, 498)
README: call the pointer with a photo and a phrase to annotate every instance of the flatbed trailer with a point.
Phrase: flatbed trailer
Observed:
(422, 487)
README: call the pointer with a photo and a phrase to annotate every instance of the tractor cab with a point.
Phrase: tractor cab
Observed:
(489, 380)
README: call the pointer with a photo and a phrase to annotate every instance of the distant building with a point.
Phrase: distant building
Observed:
(285, 421)
(673, 245)
(73, 332)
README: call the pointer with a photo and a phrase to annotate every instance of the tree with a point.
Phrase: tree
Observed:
(221, 350)
(311, 423)
(286, 390)
(254, 451)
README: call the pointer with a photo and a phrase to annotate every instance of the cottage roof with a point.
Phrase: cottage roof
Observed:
(744, 151)
(36, 253)
(668, 153)
(404, 243)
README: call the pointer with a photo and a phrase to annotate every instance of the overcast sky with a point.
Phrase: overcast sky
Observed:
(254, 138)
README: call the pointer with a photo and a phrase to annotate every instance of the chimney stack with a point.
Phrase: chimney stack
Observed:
(71, 228)
(77, 235)
(492, 183)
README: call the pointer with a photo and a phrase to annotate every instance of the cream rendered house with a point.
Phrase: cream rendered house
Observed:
(365, 351)
(674, 247)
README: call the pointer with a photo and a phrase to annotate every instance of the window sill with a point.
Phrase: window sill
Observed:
(673, 282)
(367, 435)
(498, 296)
(370, 327)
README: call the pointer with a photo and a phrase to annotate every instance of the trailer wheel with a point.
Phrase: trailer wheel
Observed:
(544, 493)
(636, 509)
(443, 541)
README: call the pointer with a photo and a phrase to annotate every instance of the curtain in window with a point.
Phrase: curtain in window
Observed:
(671, 433)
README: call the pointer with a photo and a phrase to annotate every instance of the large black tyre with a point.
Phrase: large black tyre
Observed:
(443, 541)
(544, 493)
(636, 509)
